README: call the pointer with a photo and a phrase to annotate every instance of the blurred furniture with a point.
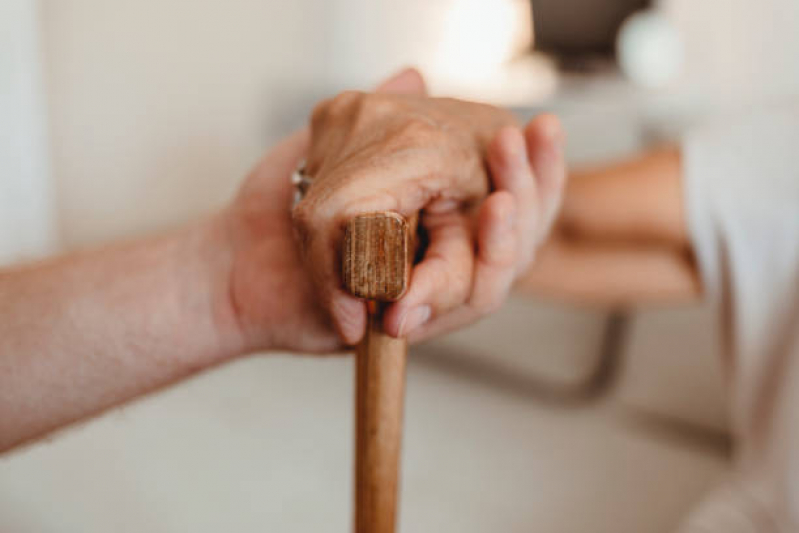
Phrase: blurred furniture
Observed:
(581, 32)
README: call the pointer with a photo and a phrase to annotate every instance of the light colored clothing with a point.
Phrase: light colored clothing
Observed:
(742, 197)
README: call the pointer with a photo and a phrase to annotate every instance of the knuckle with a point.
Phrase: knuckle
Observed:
(320, 113)
(372, 107)
(378, 104)
(345, 101)
(420, 129)
(337, 106)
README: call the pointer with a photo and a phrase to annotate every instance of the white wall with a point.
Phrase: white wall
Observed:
(739, 52)
(159, 108)
(27, 221)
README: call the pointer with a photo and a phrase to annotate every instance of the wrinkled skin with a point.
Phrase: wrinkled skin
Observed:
(486, 189)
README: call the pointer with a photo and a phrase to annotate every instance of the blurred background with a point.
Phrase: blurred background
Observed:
(125, 118)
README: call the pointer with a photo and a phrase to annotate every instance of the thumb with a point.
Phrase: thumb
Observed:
(407, 81)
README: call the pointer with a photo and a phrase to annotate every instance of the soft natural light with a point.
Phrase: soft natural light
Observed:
(480, 36)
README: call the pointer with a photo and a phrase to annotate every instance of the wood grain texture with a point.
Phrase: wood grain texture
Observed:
(377, 259)
(377, 249)
(380, 396)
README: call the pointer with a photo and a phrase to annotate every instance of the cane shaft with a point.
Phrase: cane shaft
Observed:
(380, 392)
(378, 253)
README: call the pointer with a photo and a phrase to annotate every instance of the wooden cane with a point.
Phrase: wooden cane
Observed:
(377, 260)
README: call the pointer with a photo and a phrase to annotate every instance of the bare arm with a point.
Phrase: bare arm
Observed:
(92, 330)
(621, 238)
(88, 331)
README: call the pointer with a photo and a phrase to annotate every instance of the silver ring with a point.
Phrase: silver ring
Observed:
(301, 181)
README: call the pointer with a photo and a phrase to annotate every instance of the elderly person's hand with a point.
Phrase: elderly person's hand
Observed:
(486, 192)
(94, 329)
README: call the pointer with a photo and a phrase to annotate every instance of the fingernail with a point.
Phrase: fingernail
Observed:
(350, 317)
(414, 319)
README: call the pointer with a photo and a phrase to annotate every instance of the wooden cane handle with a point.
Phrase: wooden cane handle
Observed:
(378, 254)
(378, 250)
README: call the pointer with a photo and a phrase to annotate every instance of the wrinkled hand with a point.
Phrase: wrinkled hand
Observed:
(486, 190)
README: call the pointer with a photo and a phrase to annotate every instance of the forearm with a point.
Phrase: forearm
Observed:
(611, 275)
(635, 200)
(621, 238)
(91, 330)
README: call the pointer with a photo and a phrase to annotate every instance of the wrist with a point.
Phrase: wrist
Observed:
(208, 254)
